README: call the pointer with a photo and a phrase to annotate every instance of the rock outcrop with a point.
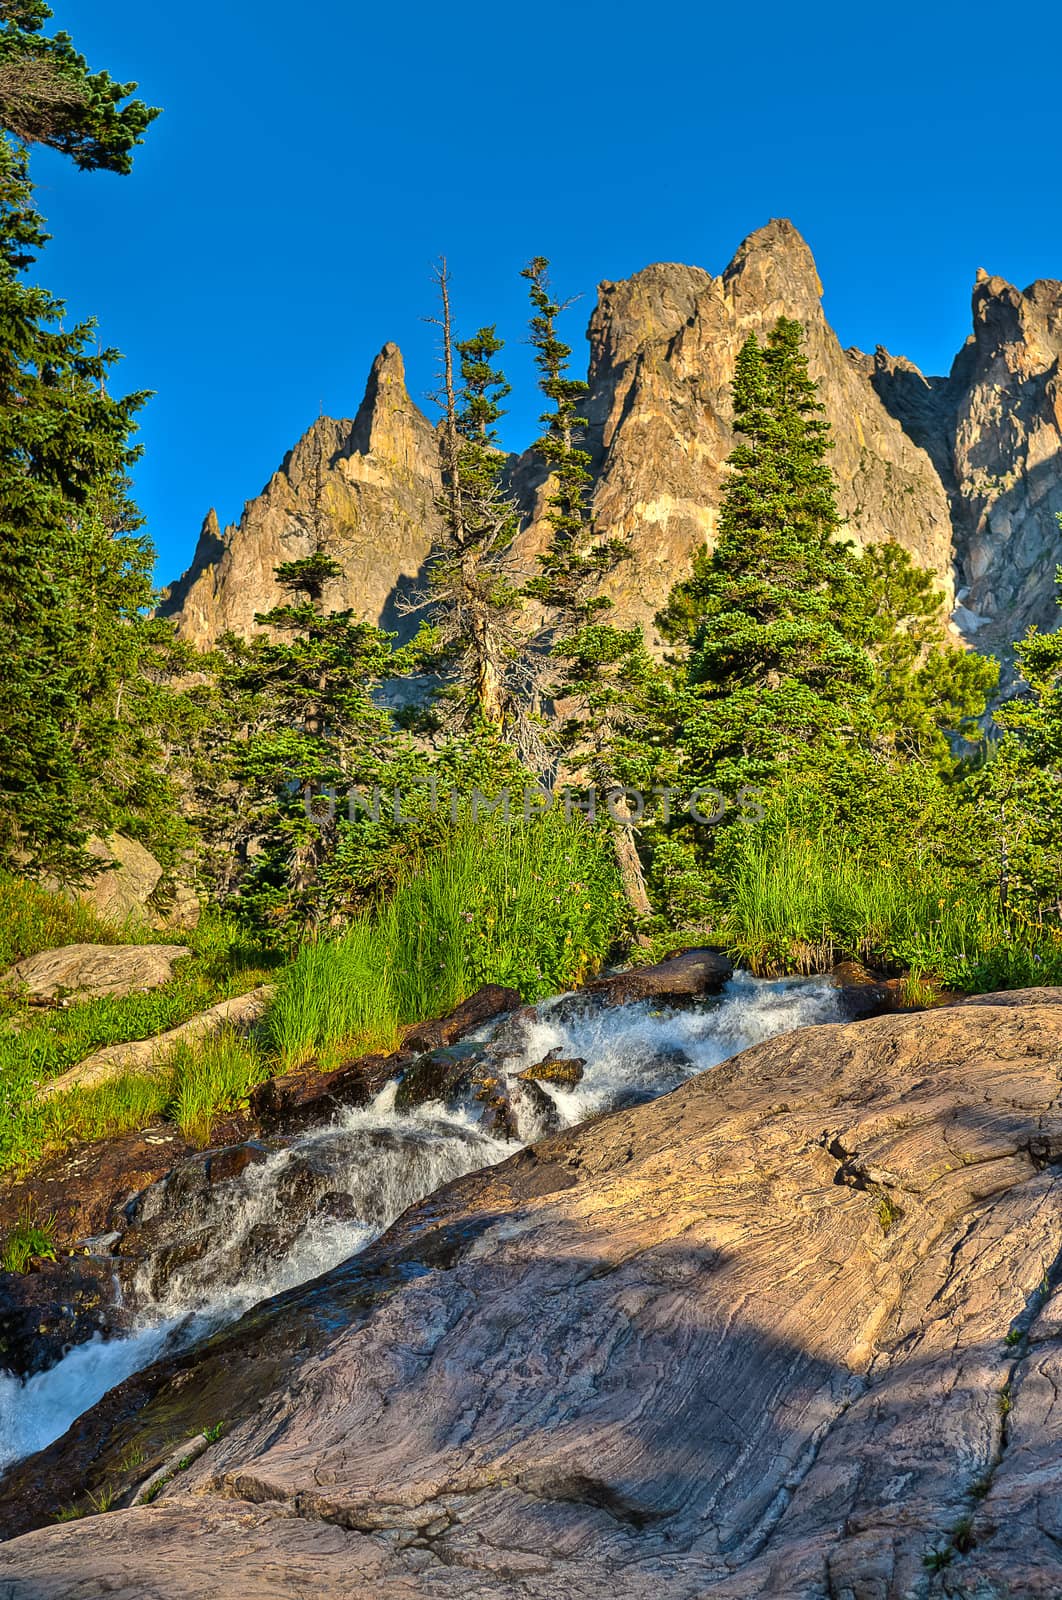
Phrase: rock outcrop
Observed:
(363, 490)
(793, 1330)
(965, 472)
(78, 972)
(152, 1055)
(663, 348)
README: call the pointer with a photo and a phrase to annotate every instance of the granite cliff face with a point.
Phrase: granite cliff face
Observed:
(364, 490)
(663, 349)
(965, 471)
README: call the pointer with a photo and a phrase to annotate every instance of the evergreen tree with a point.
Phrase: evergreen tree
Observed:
(314, 729)
(926, 692)
(1020, 787)
(48, 95)
(777, 671)
(795, 649)
(472, 602)
(597, 669)
(74, 570)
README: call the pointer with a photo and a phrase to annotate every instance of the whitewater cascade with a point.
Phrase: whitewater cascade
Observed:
(369, 1165)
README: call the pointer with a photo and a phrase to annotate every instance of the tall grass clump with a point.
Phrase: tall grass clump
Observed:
(31, 1238)
(532, 905)
(33, 919)
(209, 1079)
(799, 902)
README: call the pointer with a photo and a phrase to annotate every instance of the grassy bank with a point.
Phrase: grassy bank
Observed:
(38, 1045)
(535, 907)
(800, 903)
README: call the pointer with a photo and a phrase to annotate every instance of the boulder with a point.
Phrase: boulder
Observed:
(553, 1068)
(129, 878)
(686, 976)
(793, 1330)
(302, 1099)
(488, 1002)
(44, 1313)
(88, 971)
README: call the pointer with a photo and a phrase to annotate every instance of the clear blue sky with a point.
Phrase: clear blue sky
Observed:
(313, 160)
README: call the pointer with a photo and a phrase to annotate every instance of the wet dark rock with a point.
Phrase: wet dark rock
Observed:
(222, 1166)
(686, 976)
(499, 1117)
(300, 1100)
(862, 993)
(553, 1068)
(541, 1106)
(441, 1074)
(339, 1207)
(46, 1312)
(491, 1001)
(85, 1189)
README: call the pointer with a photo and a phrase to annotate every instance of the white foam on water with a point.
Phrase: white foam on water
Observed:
(34, 1412)
(384, 1161)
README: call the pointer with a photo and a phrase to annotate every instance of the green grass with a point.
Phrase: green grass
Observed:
(799, 903)
(534, 906)
(33, 919)
(29, 1237)
(35, 1046)
(199, 1083)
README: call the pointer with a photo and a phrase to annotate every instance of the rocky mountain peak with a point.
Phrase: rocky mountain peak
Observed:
(362, 491)
(964, 471)
(774, 268)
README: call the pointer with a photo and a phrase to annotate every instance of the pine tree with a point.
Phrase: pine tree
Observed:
(472, 602)
(314, 730)
(597, 668)
(777, 670)
(74, 570)
(1020, 787)
(48, 95)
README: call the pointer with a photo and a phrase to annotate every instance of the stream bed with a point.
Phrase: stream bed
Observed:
(306, 1207)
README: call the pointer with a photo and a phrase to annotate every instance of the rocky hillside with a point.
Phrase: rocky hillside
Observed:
(792, 1330)
(964, 471)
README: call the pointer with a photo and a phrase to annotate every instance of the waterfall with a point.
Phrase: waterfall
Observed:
(320, 1199)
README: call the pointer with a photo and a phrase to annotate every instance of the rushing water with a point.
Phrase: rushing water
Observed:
(373, 1163)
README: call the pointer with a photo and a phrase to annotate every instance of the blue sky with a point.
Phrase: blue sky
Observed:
(312, 162)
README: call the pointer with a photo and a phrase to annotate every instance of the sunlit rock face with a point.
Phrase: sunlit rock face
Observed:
(364, 491)
(793, 1329)
(965, 472)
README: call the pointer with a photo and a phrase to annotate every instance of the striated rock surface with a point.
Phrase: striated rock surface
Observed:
(794, 1330)
(87, 971)
(362, 491)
